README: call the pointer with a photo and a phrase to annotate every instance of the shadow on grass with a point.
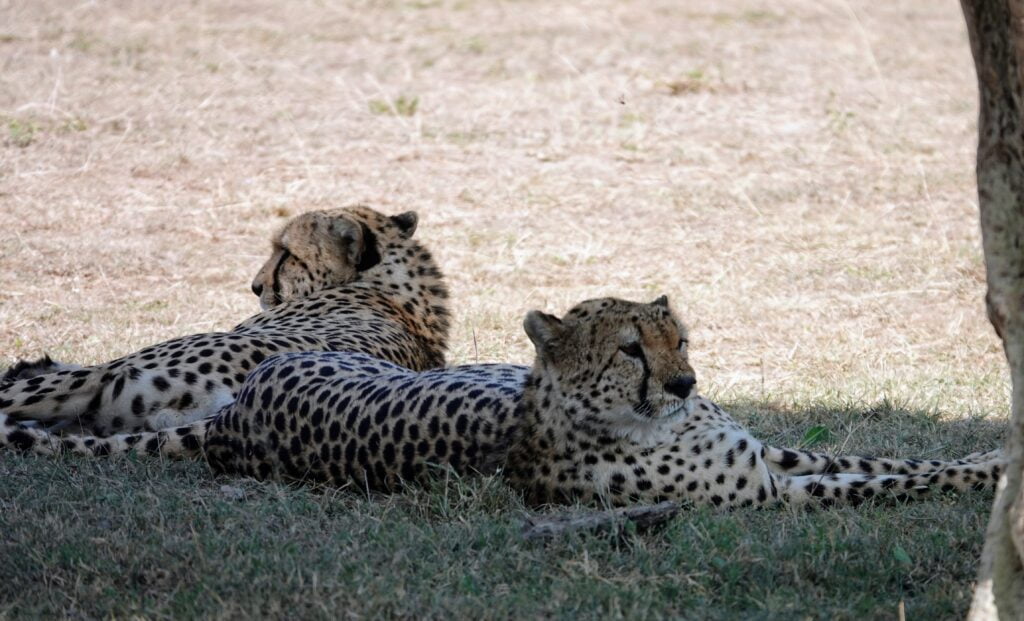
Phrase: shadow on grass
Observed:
(138, 536)
(883, 429)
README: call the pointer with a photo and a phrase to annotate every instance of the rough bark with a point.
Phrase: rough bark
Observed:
(996, 32)
(643, 518)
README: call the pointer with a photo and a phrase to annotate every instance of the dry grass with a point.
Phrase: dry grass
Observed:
(798, 179)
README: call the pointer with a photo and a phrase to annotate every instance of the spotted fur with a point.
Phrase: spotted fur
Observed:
(27, 369)
(348, 279)
(343, 418)
(610, 415)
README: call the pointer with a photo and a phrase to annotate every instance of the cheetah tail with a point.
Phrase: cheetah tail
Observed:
(796, 462)
(49, 392)
(185, 442)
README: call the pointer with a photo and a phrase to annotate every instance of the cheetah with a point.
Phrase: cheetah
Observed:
(339, 418)
(345, 279)
(608, 413)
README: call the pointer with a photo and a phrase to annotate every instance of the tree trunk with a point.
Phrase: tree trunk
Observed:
(996, 31)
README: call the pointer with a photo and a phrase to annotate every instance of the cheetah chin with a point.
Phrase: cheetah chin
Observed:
(676, 413)
(650, 430)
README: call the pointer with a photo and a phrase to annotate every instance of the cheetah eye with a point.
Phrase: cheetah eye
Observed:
(633, 350)
(682, 343)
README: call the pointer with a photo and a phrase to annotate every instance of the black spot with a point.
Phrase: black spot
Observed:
(789, 459)
(190, 442)
(21, 440)
(815, 489)
(382, 413)
(453, 406)
(118, 387)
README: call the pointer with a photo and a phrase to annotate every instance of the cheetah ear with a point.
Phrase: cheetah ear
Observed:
(357, 242)
(542, 329)
(349, 237)
(661, 301)
(406, 223)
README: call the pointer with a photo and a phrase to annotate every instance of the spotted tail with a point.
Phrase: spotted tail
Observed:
(185, 442)
(797, 462)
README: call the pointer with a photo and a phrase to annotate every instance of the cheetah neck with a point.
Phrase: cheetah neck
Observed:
(554, 423)
(409, 278)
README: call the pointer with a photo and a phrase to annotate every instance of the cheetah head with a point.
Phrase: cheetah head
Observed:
(321, 249)
(615, 367)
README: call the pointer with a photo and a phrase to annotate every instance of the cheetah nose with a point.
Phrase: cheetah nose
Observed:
(257, 288)
(681, 385)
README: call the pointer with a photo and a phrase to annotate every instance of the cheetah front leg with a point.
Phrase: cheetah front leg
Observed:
(796, 462)
(982, 456)
(848, 488)
(729, 468)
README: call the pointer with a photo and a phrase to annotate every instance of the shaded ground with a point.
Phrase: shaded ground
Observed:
(169, 540)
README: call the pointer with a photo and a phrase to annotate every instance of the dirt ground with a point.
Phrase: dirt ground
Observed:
(797, 176)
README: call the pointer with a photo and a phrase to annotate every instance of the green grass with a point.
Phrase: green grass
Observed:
(402, 106)
(165, 540)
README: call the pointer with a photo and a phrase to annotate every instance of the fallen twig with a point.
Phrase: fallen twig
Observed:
(642, 517)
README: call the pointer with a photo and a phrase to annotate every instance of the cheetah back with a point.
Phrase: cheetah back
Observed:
(351, 420)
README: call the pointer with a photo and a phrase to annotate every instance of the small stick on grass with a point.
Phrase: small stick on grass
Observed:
(642, 517)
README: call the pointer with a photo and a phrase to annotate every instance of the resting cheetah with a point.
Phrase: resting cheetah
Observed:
(341, 418)
(346, 279)
(609, 413)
